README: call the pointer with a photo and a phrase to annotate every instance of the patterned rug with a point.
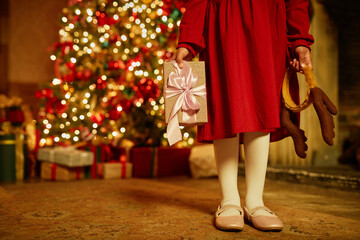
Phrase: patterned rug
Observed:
(166, 208)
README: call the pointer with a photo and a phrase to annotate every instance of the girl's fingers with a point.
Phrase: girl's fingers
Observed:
(179, 60)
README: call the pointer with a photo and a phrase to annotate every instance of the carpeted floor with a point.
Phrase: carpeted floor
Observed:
(166, 208)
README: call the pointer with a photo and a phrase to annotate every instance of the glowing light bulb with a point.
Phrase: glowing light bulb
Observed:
(89, 12)
(56, 81)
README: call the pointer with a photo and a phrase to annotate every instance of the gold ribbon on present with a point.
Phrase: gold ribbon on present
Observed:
(19, 156)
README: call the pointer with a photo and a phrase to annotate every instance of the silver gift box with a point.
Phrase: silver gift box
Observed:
(74, 158)
(66, 156)
(46, 154)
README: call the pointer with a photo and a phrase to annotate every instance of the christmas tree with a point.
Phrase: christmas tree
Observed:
(108, 73)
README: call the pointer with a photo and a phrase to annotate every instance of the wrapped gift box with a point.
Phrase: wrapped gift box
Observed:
(7, 163)
(66, 156)
(101, 153)
(197, 68)
(52, 171)
(75, 158)
(46, 154)
(112, 170)
(202, 161)
(13, 157)
(159, 161)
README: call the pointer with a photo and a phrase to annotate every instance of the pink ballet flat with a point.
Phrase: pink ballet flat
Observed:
(229, 223)
(261, 222)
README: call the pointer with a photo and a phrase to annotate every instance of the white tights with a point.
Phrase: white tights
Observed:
(256, 146)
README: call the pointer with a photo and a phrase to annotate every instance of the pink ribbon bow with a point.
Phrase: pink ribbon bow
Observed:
(181, 84)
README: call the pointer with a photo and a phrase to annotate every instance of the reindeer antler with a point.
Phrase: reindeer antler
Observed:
(323, 106)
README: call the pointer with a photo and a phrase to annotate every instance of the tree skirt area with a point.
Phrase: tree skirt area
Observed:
(166, 208)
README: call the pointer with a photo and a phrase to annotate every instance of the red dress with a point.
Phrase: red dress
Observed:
(244, 44)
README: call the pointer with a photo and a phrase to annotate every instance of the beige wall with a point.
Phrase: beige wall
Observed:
(325, 63)
(33, 27)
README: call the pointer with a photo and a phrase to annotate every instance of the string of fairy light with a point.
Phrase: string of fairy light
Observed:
(87, 43)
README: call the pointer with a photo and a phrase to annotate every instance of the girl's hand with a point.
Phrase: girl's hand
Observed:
(302, 58)
(180, 55)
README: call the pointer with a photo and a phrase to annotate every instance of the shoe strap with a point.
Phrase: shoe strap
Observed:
(228, 206)
(253, 210)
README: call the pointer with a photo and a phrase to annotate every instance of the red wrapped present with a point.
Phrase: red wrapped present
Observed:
(159, 161)
(52, 171)
(102, 153)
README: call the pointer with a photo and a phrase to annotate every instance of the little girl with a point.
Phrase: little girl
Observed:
(246, 46)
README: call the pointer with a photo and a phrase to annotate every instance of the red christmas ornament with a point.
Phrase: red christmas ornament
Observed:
(126, 105)
(84, 75)
(49, 107)
(114, 114)
(115, 65)
(104, 19)
(163, 27)
(97, 118)
(100, 84)
(147, 90)
(72, 75)
(46, 92)
(60, 108)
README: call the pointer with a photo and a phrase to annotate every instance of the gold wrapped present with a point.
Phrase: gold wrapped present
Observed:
(117, 170)
(52, 171)
(185, 96)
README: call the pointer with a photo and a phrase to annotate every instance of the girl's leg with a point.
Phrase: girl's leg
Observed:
(256, 147)
(227, 159)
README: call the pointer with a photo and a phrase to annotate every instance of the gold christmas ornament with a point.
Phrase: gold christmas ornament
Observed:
(310, 83)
